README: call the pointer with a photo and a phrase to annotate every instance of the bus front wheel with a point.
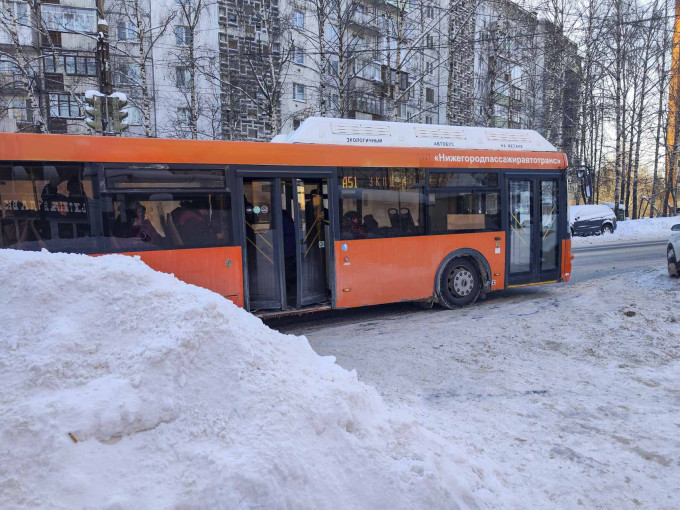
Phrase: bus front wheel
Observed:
(460, 283)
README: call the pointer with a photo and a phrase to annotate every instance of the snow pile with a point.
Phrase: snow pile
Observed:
(644, 229)
(125, 388)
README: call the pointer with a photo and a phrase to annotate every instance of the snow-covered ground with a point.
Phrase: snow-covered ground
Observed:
(570, 394)
(125, 388)
(645, 229)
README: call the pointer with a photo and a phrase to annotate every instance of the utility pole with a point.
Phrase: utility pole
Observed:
(104, 63)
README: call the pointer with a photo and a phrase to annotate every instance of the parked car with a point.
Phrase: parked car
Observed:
(589, 220)
(673, 251)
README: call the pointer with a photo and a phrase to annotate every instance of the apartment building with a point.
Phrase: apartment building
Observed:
(250, 69)
(526, 74)
(47, 61)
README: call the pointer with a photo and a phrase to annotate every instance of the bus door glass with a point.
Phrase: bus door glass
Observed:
(286, 230)
(261, 224)
(521, 221)
(312, 207)
(533, 235)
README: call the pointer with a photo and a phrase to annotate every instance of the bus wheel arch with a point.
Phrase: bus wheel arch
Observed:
(462, 277)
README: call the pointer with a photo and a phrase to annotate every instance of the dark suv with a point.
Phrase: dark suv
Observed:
(589, 220)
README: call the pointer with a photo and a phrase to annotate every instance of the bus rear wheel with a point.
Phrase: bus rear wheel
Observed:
(460, 284)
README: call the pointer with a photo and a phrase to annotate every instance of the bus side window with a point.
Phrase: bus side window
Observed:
(381, 202)
(190, 206)
(463, 201)
(164, 221)
(45, 205)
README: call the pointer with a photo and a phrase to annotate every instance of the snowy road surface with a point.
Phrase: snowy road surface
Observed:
(571, 392)
(596, 261)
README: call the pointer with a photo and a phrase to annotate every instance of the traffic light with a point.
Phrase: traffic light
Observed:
(118, 101)
(93, 110)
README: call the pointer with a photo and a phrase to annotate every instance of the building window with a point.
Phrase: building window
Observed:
(429, 67)
(516, 93)
(429, 11)
(182, 76)
(134, 117)
(9, 67)
(429, 95)
(183, 116)
(182, 36)
(64, 106)
(19, 110)
(428, 119)
(403, 111)
(500, 110)
(52, 64)
(298, 92)
(298, 55)
(331, 33)
(430, 42)
(127, 31)
(81, 66)
(20, 12)
(298, 19)
(129, 74)
(367, 69)
(69, 19)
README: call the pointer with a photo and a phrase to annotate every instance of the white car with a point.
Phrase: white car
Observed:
(674, 251)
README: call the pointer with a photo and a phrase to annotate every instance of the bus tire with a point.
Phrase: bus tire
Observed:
(460, 283)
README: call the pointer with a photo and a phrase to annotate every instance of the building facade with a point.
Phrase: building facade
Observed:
(250, 69)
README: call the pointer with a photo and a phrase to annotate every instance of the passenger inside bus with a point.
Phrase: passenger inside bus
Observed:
(136, 225)
(192, 221)
(352, 227)
(51, 189)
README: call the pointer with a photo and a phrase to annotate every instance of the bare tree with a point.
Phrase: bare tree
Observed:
(192, 63)
(23, 58)
(137, 36)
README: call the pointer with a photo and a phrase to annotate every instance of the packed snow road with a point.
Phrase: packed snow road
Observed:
(596, 261)
(571, 393)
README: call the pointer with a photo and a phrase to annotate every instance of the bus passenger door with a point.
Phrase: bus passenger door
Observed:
(285, 244)
(263, 223)
(533, 236)
(311, 240)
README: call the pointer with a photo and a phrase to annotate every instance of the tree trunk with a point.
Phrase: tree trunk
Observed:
(659, 116)
(146, 101)
(617, 105)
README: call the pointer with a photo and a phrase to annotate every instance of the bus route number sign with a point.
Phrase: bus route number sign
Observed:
(349, 182)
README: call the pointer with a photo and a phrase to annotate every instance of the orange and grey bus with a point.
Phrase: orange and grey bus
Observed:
(342, 213)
